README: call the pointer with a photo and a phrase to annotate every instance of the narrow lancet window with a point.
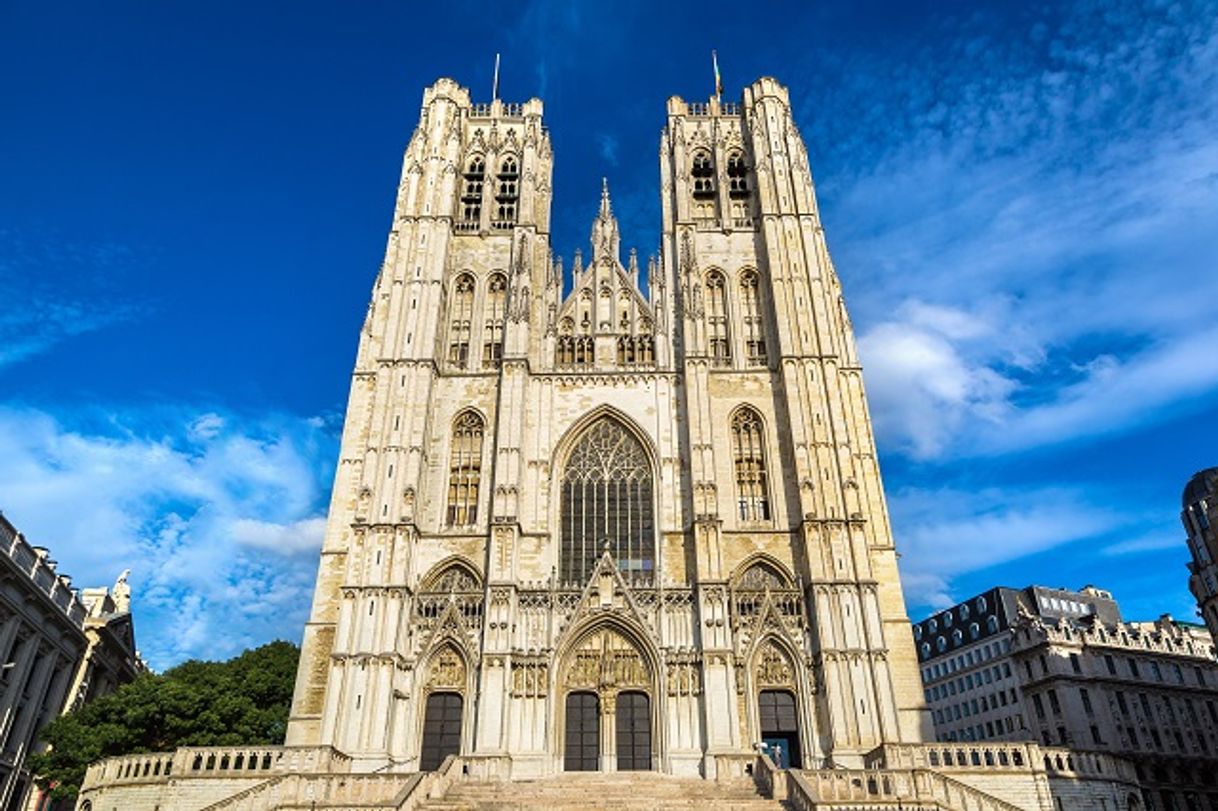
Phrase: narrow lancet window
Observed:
(718, 340)
(496, 306)
(459, 325)
(507, 193)
(465, 469)
(471, 194)
(748, 449)
(754, 331)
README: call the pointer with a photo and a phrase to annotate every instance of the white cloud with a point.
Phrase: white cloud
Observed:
(216, 516)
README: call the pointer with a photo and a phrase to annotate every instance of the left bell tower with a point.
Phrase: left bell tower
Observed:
(449, 313)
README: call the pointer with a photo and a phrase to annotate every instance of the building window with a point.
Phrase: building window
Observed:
(1095, 735)
(459, 324)
(737, 175)
(716, 319)
(1054, 704)
(703, 174)
(465, 469)
(1110, 664)
(496, 306)
(1086, 698)
(1133, 669)
(754, 333)
(1075, 665)
(607, 501)
(507, 193)
(471, 192)
(748, 450)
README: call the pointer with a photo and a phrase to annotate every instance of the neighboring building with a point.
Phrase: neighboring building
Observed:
(1199, 516)
(1062, 668)
(612, 529)
(57, 650)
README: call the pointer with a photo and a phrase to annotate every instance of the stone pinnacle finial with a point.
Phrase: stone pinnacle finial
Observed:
(605, 207)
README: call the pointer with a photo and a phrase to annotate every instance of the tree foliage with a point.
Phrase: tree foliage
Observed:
(241, 702)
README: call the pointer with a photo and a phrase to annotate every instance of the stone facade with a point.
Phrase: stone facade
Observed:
(1199, 514)
(671, 492)
(1062, 668)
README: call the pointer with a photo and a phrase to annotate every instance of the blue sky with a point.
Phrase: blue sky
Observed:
(1021, 199)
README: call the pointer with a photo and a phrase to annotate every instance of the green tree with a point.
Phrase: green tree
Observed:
(241, 702)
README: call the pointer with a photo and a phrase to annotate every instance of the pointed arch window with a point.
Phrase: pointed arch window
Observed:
(737, 175)
(702, 172)
(748, 451)
(471, 192)
(465, 469)
(716, 320)
(507, 193)
(459, 324)
(496, 306)
(607, 499)
(754, 332)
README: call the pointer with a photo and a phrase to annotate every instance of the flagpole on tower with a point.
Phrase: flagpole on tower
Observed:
(495, 84)
(718, 80)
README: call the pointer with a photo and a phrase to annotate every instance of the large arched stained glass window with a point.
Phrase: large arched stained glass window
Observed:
(606, 497)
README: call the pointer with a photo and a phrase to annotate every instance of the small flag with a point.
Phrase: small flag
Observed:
(718, 80)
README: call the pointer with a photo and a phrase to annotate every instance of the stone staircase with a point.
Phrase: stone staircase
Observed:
(622, 791)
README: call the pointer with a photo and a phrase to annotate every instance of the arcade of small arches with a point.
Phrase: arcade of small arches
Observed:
(606, 687)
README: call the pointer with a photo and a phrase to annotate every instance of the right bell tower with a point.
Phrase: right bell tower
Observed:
(761, 318)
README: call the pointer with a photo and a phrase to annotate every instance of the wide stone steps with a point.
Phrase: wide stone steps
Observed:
(634, 791)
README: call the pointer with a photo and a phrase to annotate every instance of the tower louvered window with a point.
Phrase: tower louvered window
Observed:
(702, 172)
(737, 176)
(748, 450)
(607, 502)
(471, 194)
(496, 306)
(754, 331)
(716, 320)
(459, 325)
(507, 193)
(465, 469)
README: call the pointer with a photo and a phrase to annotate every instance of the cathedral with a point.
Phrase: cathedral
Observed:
(613, 537)
(630, 523)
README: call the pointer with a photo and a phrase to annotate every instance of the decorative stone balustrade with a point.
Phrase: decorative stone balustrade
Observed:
(229, 761)
(954, 756)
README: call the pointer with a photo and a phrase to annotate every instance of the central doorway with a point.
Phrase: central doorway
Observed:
(780, 727)
(582, 752)
(633, 732)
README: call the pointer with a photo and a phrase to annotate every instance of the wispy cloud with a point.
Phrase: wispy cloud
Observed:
(41, 311)
(219, 516)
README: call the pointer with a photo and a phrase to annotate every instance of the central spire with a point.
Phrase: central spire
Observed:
(606, 240)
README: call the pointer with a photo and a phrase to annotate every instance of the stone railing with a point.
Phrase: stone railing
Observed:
(207, 761)
(832, 789)
(1059, 761)
(954, 756)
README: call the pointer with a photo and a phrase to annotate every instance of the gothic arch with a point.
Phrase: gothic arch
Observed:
(773, 665)
(432, 580)
(627, 503)
(766, 561)
(607, 656)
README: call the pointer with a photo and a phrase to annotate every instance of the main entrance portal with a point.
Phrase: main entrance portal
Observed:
(780, 726)
(441, 730)
(582, 752)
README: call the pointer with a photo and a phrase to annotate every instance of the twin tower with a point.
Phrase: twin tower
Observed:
(613, 528)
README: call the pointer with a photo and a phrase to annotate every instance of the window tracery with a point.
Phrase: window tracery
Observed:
(748, 450)
(496, 307)
(716, 319)
(754, 333)
(607, 499)
(471, 192)
(459, 324)
(465, 469)
(507, 193)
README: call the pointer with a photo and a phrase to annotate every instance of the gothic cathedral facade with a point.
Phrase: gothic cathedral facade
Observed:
(607, 528)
